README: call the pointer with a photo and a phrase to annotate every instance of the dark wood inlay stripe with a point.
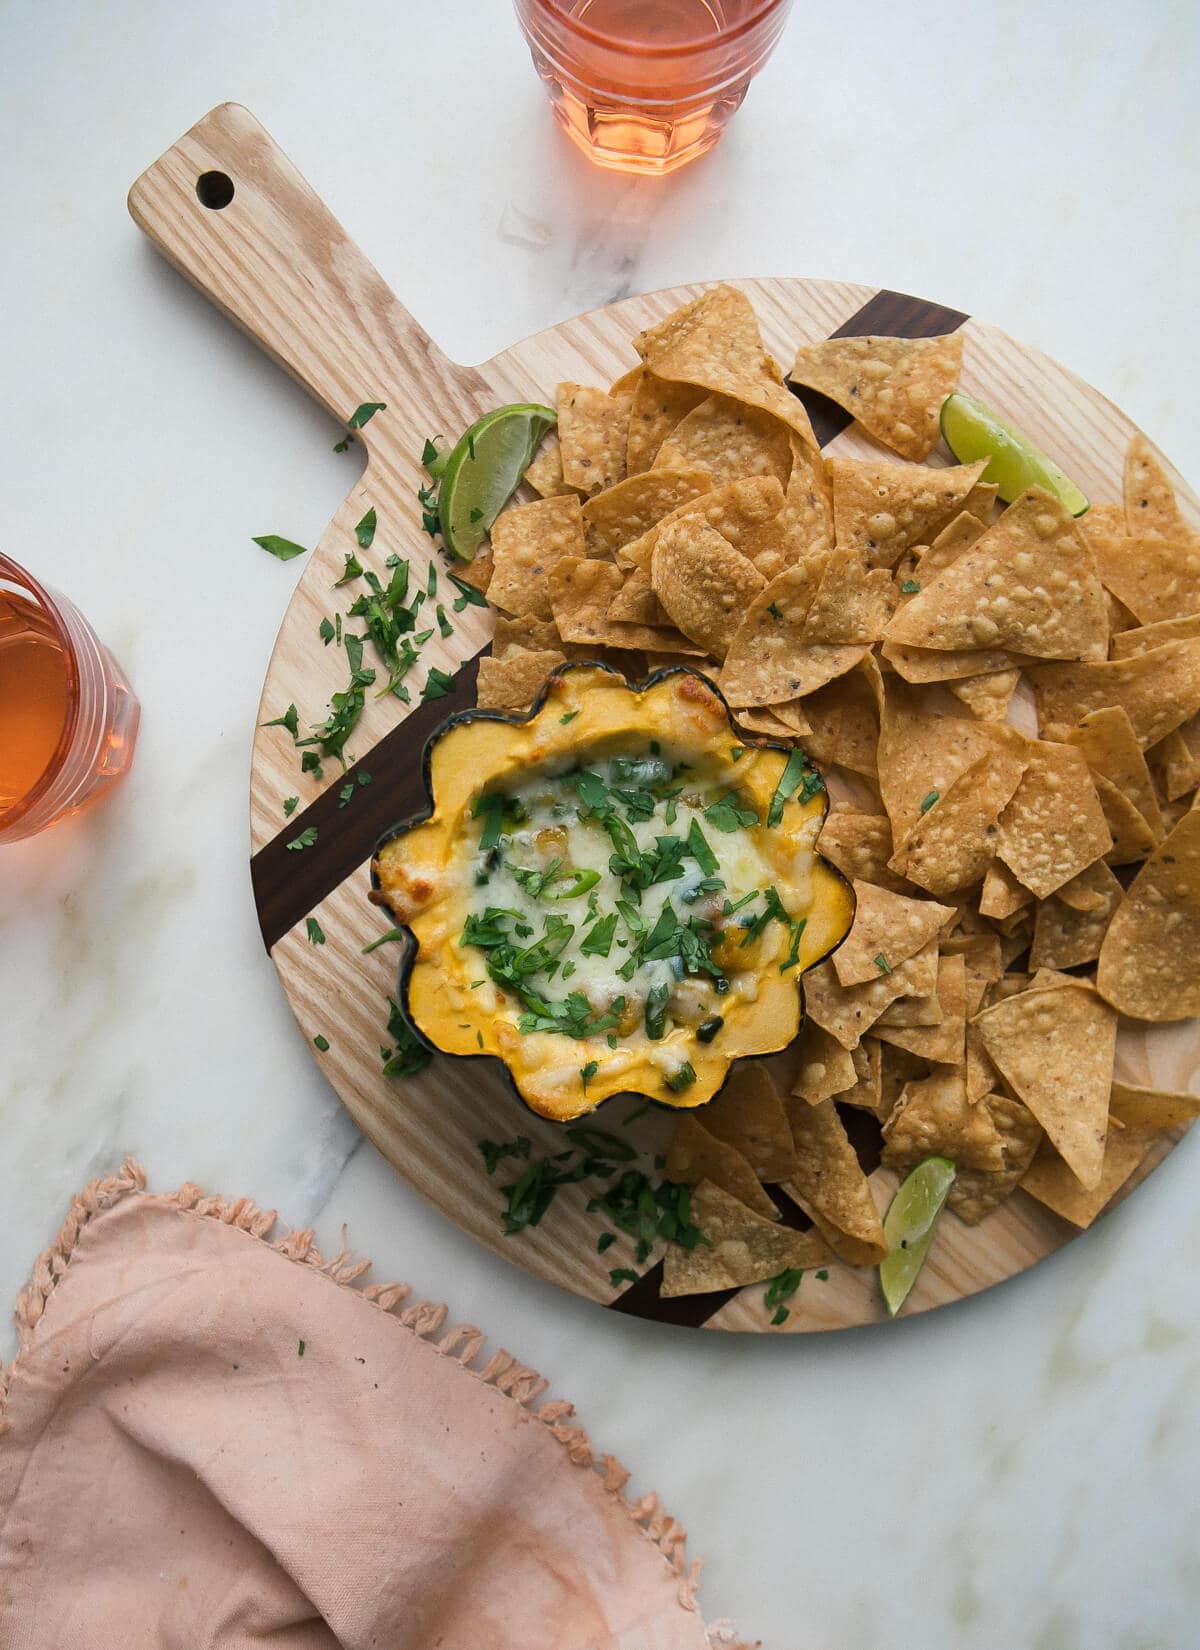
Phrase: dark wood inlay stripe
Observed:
(288, 885)
(893, 315)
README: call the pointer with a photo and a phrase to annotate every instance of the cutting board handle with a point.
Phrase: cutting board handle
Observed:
(231, 212)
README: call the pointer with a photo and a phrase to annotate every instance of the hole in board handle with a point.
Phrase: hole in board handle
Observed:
(215, 190)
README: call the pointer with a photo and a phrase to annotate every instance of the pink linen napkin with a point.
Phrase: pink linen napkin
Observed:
(213, 1442)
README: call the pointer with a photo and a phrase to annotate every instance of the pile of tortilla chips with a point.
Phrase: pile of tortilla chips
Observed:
(1016, 894)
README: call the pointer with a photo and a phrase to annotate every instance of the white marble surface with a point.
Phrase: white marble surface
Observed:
(1020, 1470)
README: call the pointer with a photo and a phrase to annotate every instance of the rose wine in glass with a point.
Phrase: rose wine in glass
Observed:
(68, 717)
(647, 85)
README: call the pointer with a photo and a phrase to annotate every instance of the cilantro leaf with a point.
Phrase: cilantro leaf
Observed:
(281, 549)
(365, 531)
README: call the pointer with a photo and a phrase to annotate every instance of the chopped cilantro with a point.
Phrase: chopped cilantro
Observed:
(727, 815)
(315, 934)
(736, 752)
(444, 625)
(322, 1043)
(289, 720)
(910, 587)
(431, 459)
(773, 907)
(325, 631)
(605, 1241)
(928, 800)
(437, 684)
(797, 773)
(622, 1274)
(365, 531)
(700, 851)
(682, 1079)
(305, 840)
(352, 570)
(281, 549)
(361, 415)
(409, 1054)
(300, 1353)
(310, 762)
(470, 596)
(589, 1071)
(793, 956)
(781, 1288)
(290, 804)
(569, 717)
(495, 1154)
(597, 942)
(386, 939)
(881, 964)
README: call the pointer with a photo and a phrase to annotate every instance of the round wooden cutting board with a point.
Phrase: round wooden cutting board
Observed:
(229, 210)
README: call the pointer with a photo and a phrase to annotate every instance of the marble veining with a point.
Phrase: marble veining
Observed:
(1018, 1470)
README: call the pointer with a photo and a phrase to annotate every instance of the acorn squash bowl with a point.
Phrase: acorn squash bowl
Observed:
(616, 893)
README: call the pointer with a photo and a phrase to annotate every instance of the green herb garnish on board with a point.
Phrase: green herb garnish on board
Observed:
(495, 1152)
(290, 804)
(321, 1042)
(306, 839)
(316, 934)
(281, 549)
(289, 720)
(326, 631)
(352, 570)
(365, 531)
(622, 1274)
(361, 415)
(385, 939)
(437, 684)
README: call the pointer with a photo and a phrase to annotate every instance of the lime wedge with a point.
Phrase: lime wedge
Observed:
(482, 473)
(972, 432)
(909, 1227)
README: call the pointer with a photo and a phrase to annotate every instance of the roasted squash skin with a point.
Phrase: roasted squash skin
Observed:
(584, 712)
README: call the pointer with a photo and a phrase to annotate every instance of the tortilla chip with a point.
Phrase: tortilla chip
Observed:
(976, 1192)
(860, 845)
(714, 342)
(736, 511)
(1147, 636)
(695, 1155)
(1176, 759)
(1055, 1050)
(981, 957)
(1132, 837)
(636, 603)
(1150, 503)
(593, 428)
(1158, 689)
(848, 1012)
(1155, 578)
(880, 509)
(765, 722)
(866, 1093)
(979, 1074)
(1090, 891)
(580, 592)
(792, 714)
(921, 754)
(943, 1042)
(527, 541)
(843, 720)
(748, 1114)
(830, 1186)
(657, 407)
(1054, 826)
(1050, 1180)
(927, 664)
(981, 501)
(545, 474)
(524, 635)
(911, 1011)
(893, 387)
(477, 573)
(1152, 1110)
(987, 697)
(952, 844)
(742, 1248)
(1150, 960)
(850, 605)
(769, 660)
(1107, 740)
(621, 514)
(933, 1118)
(887, 926)
(825, 1068)
(730, 440)
(512, 683)
(702, 582)
(1065, 938)
(1029, 585)
(804, 525)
